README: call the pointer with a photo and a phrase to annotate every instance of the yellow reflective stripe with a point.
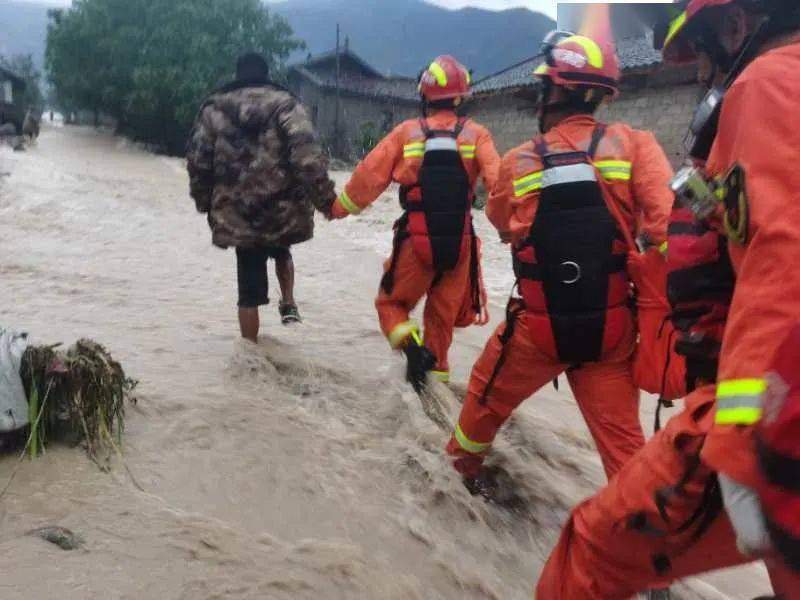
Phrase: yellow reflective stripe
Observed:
(443, 376)
(738, 416)
(527, 184)
(593, 51)
(468, 445)
(741, 387)
(739, 401)
(438, 72)
(402, 332)
(616, 164)
(674, 28)
(467, 151)
(413, 150)
(618, 170)
(348, 204)
(664, 248)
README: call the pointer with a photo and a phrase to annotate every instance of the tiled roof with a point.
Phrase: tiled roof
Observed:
(6, 74)
(634, 53)
(397, 88)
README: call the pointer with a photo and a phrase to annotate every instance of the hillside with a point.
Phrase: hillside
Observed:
(401, 36)
(397, 36)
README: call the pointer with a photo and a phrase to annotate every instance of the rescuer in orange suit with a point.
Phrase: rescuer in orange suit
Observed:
(571, 201)
(687, 502)
(437, 160)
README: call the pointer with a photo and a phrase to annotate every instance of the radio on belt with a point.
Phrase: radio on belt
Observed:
(695, 191)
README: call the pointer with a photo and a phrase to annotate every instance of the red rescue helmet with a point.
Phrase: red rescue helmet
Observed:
(778, 443)
(677, 45)
(576, 60)
(444, 79)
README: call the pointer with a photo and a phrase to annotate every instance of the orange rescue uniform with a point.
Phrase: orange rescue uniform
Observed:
(634, 173)
(397, 158)
(661, 518)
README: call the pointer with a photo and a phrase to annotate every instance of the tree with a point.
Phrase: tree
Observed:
(150, 63)
(23, 66)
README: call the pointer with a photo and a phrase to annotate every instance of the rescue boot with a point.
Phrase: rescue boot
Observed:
(495, 485)
(420, 362)
(289, 314)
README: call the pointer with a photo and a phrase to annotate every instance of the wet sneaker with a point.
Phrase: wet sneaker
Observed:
(289, 314)
(420, 362)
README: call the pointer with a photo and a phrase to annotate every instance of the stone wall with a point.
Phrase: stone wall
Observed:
(358, 114)
(666, 111)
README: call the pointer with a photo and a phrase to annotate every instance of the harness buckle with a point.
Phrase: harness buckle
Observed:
(567, 277)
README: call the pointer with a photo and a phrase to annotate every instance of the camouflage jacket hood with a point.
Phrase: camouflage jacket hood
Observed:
(256, 168)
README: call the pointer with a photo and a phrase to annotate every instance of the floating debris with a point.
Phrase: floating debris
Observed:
(78, 396)
(59, 536)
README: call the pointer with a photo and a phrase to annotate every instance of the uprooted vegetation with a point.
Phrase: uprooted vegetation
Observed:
(78, 396)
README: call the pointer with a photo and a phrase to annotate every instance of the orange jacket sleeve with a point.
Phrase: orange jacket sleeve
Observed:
(650, 177)
(499, 208)
(488, 159)
(756, 135)
(371, 177)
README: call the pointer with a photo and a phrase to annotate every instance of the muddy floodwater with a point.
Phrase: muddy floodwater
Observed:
(301, 468)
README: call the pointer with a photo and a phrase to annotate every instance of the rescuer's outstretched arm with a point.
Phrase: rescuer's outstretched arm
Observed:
(488, 159)
(499, 208)
(371, 177)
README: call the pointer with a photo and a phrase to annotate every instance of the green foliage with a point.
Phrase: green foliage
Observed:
(23, 65)
(150, 63)
(368, 137)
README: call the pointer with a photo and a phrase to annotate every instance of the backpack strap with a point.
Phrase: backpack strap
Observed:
(597, 137)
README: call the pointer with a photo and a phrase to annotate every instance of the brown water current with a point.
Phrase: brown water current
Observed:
(300, 468)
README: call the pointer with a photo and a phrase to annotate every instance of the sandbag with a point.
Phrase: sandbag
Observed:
(657, 368)
(13, 404)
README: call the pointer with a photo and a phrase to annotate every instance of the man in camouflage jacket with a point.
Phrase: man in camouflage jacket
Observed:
(256, 169)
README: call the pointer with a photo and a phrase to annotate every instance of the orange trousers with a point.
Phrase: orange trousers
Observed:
(659, 520)
(605, 393)
(445, 296)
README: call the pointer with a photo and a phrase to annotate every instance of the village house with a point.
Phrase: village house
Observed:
(654, 97)
(370, 103)
(12, 91)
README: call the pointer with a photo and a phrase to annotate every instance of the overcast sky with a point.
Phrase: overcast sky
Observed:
(546, 6)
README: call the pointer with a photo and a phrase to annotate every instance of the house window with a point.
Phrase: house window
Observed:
(8, 92)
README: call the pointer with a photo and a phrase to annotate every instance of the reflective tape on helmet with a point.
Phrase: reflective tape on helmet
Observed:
(402, 332)
(414, 150)
(740, 401)
(614, 170)
(438, 72)
(542, 69)
(594, 54)
(527, 184)
(675, 28)
(347, 204)
(467, 444)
